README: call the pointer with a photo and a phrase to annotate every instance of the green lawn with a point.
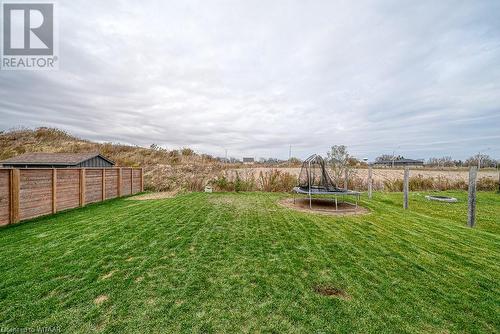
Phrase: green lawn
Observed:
(231, 263)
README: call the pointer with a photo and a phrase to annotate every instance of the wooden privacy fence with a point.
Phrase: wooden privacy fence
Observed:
(29, 193)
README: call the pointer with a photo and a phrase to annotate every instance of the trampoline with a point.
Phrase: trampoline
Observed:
(315, 180)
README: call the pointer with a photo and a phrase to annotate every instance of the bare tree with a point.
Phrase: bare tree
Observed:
(384, 157)
(441, 162)
(481, 160)
(339, 162)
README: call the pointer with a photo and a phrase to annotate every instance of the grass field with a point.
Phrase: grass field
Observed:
(239, 263)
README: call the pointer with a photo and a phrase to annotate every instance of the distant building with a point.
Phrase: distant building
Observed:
(248, 161)
(58, 160)
(399, 163)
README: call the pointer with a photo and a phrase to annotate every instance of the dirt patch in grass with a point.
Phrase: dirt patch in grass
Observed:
(330, 291)
(101, 299)
(153, 196)
(323, 206)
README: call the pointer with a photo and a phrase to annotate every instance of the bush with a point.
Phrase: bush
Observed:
(187, 152)
(420, 183)
(393, 185)
(276, 181)
(487, 184)
(222, 184)
(234, 181)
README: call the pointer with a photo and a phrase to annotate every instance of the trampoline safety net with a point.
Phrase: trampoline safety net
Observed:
(314, 176)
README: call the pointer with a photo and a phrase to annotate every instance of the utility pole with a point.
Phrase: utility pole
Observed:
(226, 157)
(290, 156)
(479, 161)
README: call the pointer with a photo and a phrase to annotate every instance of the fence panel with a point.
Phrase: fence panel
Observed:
(126, 181)
(111, 183)
(35, 196)
(29, 193)
(4, 197)
(68, 189)
(137, 180)
(93, 185)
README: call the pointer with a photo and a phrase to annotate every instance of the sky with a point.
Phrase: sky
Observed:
(418, 78)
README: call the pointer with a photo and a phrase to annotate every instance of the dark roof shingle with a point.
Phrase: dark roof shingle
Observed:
(51, 158)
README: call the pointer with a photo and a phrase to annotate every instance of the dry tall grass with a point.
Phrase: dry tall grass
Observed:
(167, 170)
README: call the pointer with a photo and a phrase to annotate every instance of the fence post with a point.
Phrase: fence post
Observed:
(82, 187)
(499, 182)
(370, 182)
(406, 187)
(142, 180)
(103, 184)
(131, 181)
(471, 213)
(54, 190)
(14, 195)
(119, 182)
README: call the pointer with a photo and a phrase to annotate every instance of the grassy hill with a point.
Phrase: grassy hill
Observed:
(164, 170)
(14, 142)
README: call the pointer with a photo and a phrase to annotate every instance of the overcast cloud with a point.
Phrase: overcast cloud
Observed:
(418, 77)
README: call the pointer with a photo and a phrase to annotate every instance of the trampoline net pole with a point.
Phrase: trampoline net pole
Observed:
(310, 198)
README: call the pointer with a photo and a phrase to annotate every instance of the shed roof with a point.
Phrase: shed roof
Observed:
(70, 159)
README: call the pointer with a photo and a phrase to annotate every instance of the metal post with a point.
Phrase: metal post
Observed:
(471, 214)
(309, 181)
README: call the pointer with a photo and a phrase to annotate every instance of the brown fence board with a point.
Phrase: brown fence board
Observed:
(136, 187)
(4, 197)
(111, 183)
(126, 179)
(68, 189)
(29, 193)
(93, 185)
(35, 196)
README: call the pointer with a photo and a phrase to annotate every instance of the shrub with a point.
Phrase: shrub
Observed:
(487, 184)
(276, 181)
(222, 184)
(187, 152)
(393, 185)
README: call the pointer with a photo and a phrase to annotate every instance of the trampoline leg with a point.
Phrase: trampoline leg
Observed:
(336, 205)
(310, 202)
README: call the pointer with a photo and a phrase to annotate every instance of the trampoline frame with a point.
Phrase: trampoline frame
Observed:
(335, 194)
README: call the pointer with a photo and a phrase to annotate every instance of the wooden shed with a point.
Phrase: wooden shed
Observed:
(58, 160)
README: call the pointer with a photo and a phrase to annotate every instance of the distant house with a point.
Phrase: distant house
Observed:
(400, 163)
(58, 160)
(248, 161)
